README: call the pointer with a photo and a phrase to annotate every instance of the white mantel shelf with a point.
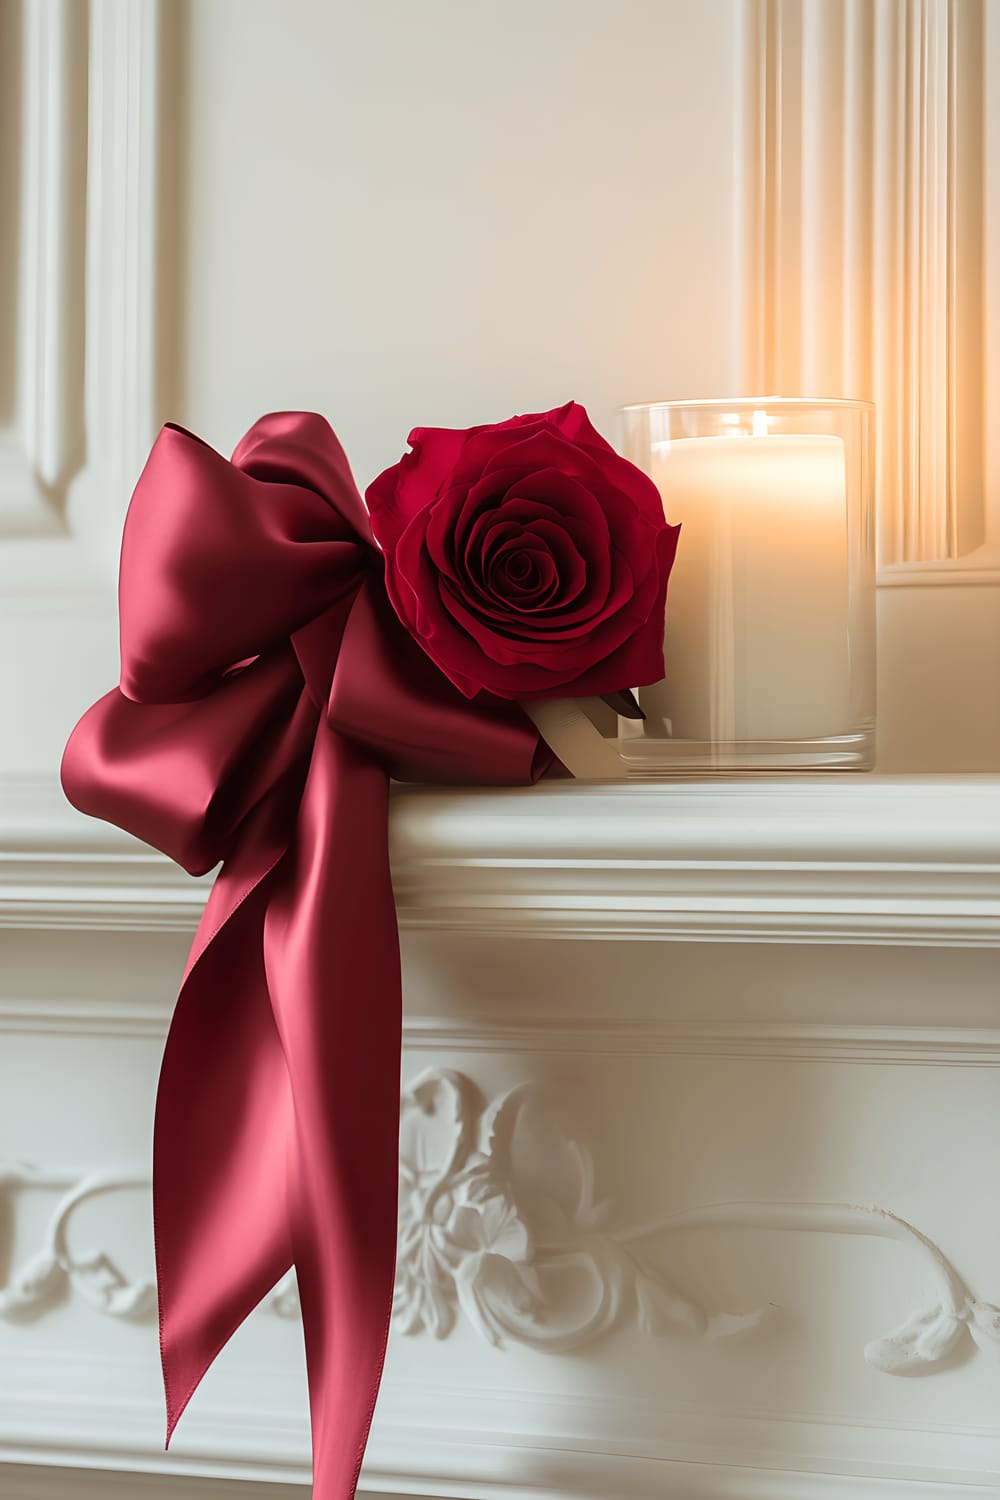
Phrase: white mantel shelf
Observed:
(826, 859)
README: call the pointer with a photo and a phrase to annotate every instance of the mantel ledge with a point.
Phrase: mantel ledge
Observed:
(815, 859)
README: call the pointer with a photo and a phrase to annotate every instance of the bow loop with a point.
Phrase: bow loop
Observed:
(387, 695)
(268, 692)
(184, 776)
(220, 560)
(301, 448)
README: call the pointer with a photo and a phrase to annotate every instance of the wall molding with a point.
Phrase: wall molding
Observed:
(885, 1044)
(539, 1261)
(84, 394)
(748, 1040)
(36, 449)
(864, 267)
(123, 163)
(907, 861)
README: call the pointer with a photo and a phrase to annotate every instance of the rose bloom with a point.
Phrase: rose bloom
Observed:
(527, 557)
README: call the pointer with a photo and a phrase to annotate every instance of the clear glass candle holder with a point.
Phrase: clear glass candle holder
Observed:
(770, 621)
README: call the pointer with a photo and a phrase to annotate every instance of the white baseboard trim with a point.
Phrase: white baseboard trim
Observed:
(503, 1446)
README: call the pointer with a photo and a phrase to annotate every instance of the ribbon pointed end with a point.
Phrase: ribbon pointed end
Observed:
(175, 1407)
(174, 1414)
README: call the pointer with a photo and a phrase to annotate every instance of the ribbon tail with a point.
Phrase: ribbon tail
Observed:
(332, 960)
(224, 1127)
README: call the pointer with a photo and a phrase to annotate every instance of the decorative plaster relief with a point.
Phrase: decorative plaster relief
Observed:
(500, 1221)
(54, 1268)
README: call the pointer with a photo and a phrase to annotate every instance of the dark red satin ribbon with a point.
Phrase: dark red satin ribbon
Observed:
(267, 695)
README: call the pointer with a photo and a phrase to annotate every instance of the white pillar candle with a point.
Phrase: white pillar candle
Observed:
(757, 609)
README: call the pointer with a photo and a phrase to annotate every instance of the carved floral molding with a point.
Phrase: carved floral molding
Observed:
(54, 1268)
(501, 1223)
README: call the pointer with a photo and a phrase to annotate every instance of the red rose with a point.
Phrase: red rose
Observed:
(527, 557)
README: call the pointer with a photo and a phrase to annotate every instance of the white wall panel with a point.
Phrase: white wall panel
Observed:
(779, 1000)
(751, 1170)
(81, 188)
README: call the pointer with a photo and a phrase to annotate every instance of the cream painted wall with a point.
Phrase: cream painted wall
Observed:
(392, 213)
(403, 214)
(445, 212)
(441, 212)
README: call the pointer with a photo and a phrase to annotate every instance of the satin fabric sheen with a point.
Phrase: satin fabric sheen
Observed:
(267, 696)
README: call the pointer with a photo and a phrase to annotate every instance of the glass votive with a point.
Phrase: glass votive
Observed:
(770, 621)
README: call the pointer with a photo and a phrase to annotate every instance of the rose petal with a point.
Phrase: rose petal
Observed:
(486, 543)
(556, 650)
(546, 449)
(567, 574)
(637, 659)
(400, 492)
(570, 562)
(524, 574)
(564, 498)
(485, 445)
(527, 556)
(449, 516)
(622, 490)
(586, 531)
(523, 518)
(484, 540)
(569, 422)
(518, 618)
(572, 422)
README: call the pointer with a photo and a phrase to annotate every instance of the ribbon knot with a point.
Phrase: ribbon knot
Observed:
(267, 695)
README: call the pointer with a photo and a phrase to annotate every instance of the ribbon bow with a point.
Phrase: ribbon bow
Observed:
(268, 694)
